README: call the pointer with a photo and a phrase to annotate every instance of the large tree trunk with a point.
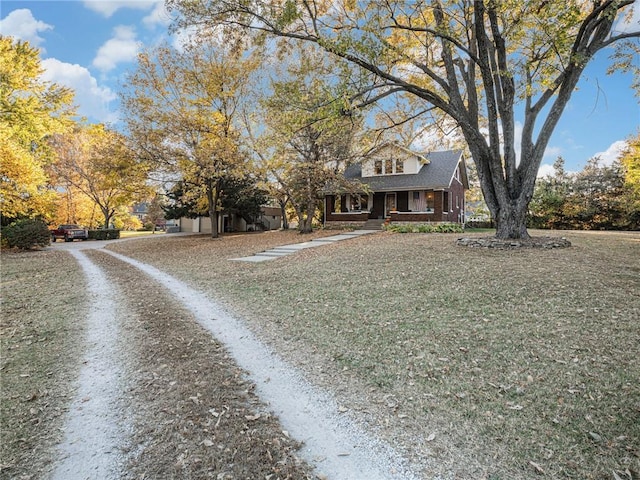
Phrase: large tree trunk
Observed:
(506, 192)
(511, 221)
(107, 213)
(304, 219)
(306, 223)
(212, 203)
(509, 209)
(283, 212)
(303, 222)
(300, 216)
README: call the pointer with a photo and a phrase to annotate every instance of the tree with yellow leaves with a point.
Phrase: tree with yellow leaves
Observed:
(98, 162)
(31, 110)
(630, 161)
(308, 139)
(181, 109)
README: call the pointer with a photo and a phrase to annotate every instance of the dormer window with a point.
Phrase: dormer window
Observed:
(388, 166)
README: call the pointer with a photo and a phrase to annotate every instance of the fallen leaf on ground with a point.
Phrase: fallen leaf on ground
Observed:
(595, 437)
(537, 467)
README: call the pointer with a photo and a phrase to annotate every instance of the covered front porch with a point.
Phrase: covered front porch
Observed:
(397, 206)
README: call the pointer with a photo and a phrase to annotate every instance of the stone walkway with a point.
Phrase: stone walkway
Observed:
(284, 250)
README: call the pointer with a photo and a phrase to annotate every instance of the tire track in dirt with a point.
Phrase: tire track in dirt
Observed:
(193, 413)
(157, 397)
(333, 444)
(93, 428)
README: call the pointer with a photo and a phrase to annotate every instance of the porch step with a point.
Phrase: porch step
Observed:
(373, 224)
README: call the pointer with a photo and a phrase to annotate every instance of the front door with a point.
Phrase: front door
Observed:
(377, 210)
(389, 203)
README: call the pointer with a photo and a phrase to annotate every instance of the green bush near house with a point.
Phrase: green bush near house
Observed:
(26, 234)
(426, 228)
(109, 234)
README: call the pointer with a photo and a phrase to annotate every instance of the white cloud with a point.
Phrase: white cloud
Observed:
(21, 25)
(432, 139)
(630, 22)
(93, 100)
(123, 47)
(612, 153)
(552, 153)
(158, 16)
(546, 170)
(193, 34)
(107, 8)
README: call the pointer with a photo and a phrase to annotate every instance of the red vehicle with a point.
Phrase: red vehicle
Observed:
(69, 233)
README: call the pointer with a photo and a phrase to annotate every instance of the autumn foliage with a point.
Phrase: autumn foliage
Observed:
(31, 110)
(599, 197)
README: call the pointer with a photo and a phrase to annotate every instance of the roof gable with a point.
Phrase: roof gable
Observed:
(399, 148)
(438, 172)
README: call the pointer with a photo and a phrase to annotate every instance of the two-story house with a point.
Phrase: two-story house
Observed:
(399, 186)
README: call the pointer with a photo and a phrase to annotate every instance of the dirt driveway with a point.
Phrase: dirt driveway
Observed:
(172, 386)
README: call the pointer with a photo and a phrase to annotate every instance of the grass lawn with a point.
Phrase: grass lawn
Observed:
(41, 328)
(482, 363)
(135, 233)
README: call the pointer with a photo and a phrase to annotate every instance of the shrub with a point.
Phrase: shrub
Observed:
(449, 228)
(426, 228)
(109, 234)
(26, 234)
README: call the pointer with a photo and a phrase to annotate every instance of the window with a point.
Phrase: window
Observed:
(417, 201)
(430, 201)
(422, 202)
(388, 166)
(359, 203)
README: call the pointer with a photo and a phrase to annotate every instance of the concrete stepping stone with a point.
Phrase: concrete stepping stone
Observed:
(284, 250)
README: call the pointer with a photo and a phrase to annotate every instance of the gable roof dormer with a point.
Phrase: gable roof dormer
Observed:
(392, 159)
(435, 170)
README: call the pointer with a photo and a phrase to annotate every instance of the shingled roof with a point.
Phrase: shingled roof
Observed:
(435, 175)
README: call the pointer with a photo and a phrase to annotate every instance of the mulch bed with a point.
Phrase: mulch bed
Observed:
(510, 244)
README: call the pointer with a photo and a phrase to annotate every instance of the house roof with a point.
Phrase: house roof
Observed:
(436, 174)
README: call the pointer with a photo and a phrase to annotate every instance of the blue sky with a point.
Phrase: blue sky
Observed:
(89, 46)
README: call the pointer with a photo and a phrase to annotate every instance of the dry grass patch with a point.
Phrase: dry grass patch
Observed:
(494, 364)
(43, 308)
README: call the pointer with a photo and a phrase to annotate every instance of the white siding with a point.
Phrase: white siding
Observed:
(411, 163)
